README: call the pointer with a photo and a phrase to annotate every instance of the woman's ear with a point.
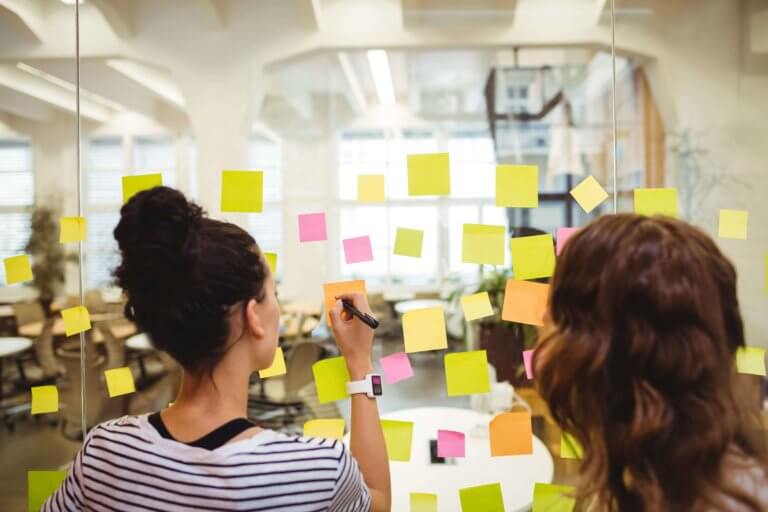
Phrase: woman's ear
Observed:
(252, 319)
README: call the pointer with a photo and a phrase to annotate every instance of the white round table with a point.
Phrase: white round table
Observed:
(13, 345)
(516, 474)
(410, 305)
(139, 342)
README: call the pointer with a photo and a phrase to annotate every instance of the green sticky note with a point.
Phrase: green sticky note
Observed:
(73, 229)
(331, 377)
(482, 498)
(429, 175)
(370, 188)
(569, 447)
(45, 399)
(466, 373)
(484, 244)
(40, 486)
(398, 436)
(17, 269)
(656, 201)
(517, 186)
(423, 502)
(408, 242)
(552, 498)
(533, 257)
(271, 258)
(132, 185)
(242, 191)
(733, 224)
(751, 360)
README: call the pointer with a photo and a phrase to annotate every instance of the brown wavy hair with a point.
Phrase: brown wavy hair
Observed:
(636, 361)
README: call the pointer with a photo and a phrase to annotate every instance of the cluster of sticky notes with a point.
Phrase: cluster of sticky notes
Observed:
(329, 428)
(517, 186)
(525, 302)
(312, 227)
(477, 305)
(751, 360)
(276, 368)
(570, 447)
(408, 242)
(511, 433)
(589, 194)
(41, 485)
(450, 443)
(358, 249)
(332, 290)
(396, 367)
(271, 258)
(423, 502)
(370, 188)
(483, 244)
(533, 257)
(553, 498)
(466, 373)
(424, 329)
(733, 224)
(72, 229)
(482, 498)
(656, 201)
(45, 399)
(119, 381)
(76, 320)
(242, 191)
(398, 437)
(429, 175)
(132, 185)
(331, 377)
(17, 269)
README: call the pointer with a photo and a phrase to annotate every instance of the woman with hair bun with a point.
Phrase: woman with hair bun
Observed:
(636, 362)
(203, 292)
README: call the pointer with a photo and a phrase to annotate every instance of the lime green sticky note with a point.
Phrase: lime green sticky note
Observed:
(73, 229)
(429, 175)
(477, 305)
(271, 258)
(408, 242)
(533, 257)
(751, 360)
(329, 428)
(276, 368)
(119, 381)
(76, 320)
(370, 188)
(482, 498)
(45, 399)
(398, 436)
(331, 377)
(466, 373)
(733, 224)
(589, 194)
(517, 186)
(17, 269)
(656, 201)
(132, 185)
(423, 502)
(483, 243)
(242, 191)
(40, 486)
(569, 447)
(552, 498)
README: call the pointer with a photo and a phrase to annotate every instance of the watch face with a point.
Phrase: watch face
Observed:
(376, 384)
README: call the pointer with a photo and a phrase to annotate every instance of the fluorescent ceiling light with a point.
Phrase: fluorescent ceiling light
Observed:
(382, 77)
(101, 100)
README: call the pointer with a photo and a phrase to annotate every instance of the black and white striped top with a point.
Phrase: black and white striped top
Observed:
(125, 464)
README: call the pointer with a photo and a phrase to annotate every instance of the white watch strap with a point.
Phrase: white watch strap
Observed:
(359, 386)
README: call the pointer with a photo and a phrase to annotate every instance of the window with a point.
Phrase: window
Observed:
(17, 196)
(264, 154)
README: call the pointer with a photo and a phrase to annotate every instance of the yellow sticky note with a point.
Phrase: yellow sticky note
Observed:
(398, 436)
(370, 188)
(73, 229)
(466, 373)
(733, 224)
(766, 274)
(76, 320)
(424, 329)
(525, 302)
(511, 433)
(552, 498)
(331, 290)
(482, 498)
(329, 428)
(17, 269)
(656, 201)
(45, 399)
(40, 486)
(517, 186)
(408, 242)
(569, 447)
(119, 381)
(589, 194)
(476, 306)
(423, 502)
(533, 257)
(132, 185)
(331, 377)
(271, 258)
(483, 243)
(429, 175)
(276, 368)
(242, 191)
(751, 360)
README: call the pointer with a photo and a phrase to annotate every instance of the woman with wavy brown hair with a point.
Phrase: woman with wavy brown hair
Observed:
(636, 362)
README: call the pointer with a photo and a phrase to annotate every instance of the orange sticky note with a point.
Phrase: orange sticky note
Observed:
(370, 188)
(525, 302)
(429, 175)
(511, 434)
(17, 269)
(424, 329)
(331, 290)
(119, 381)
(76, 320)
(329, 428)
(45, 399)
(72, 229)
(242, 191)
(132, 185)
(276, 368)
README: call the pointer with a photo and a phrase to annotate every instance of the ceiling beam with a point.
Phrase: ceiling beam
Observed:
(353, 91)
(599, 8)
(119, 16)
(310, 13)
(216, 10)
(27, 15)
(24, 106)
(157, 81)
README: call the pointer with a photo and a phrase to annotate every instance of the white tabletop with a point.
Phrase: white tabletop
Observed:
(6, 311)
(410, 305)
(13, 345)
(139, 342)
(516, 474)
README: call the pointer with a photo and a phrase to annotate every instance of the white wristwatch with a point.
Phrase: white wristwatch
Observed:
(371, 386)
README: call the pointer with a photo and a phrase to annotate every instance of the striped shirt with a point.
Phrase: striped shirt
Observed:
(125, 464)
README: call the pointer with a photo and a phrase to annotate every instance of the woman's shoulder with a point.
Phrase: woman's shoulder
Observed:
(748, 475)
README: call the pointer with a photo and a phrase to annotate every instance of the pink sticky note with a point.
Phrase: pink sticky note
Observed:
(563, 234)
(450, 443)
(312, 227)
(528, 363)
(396, 367)
(358, 249)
